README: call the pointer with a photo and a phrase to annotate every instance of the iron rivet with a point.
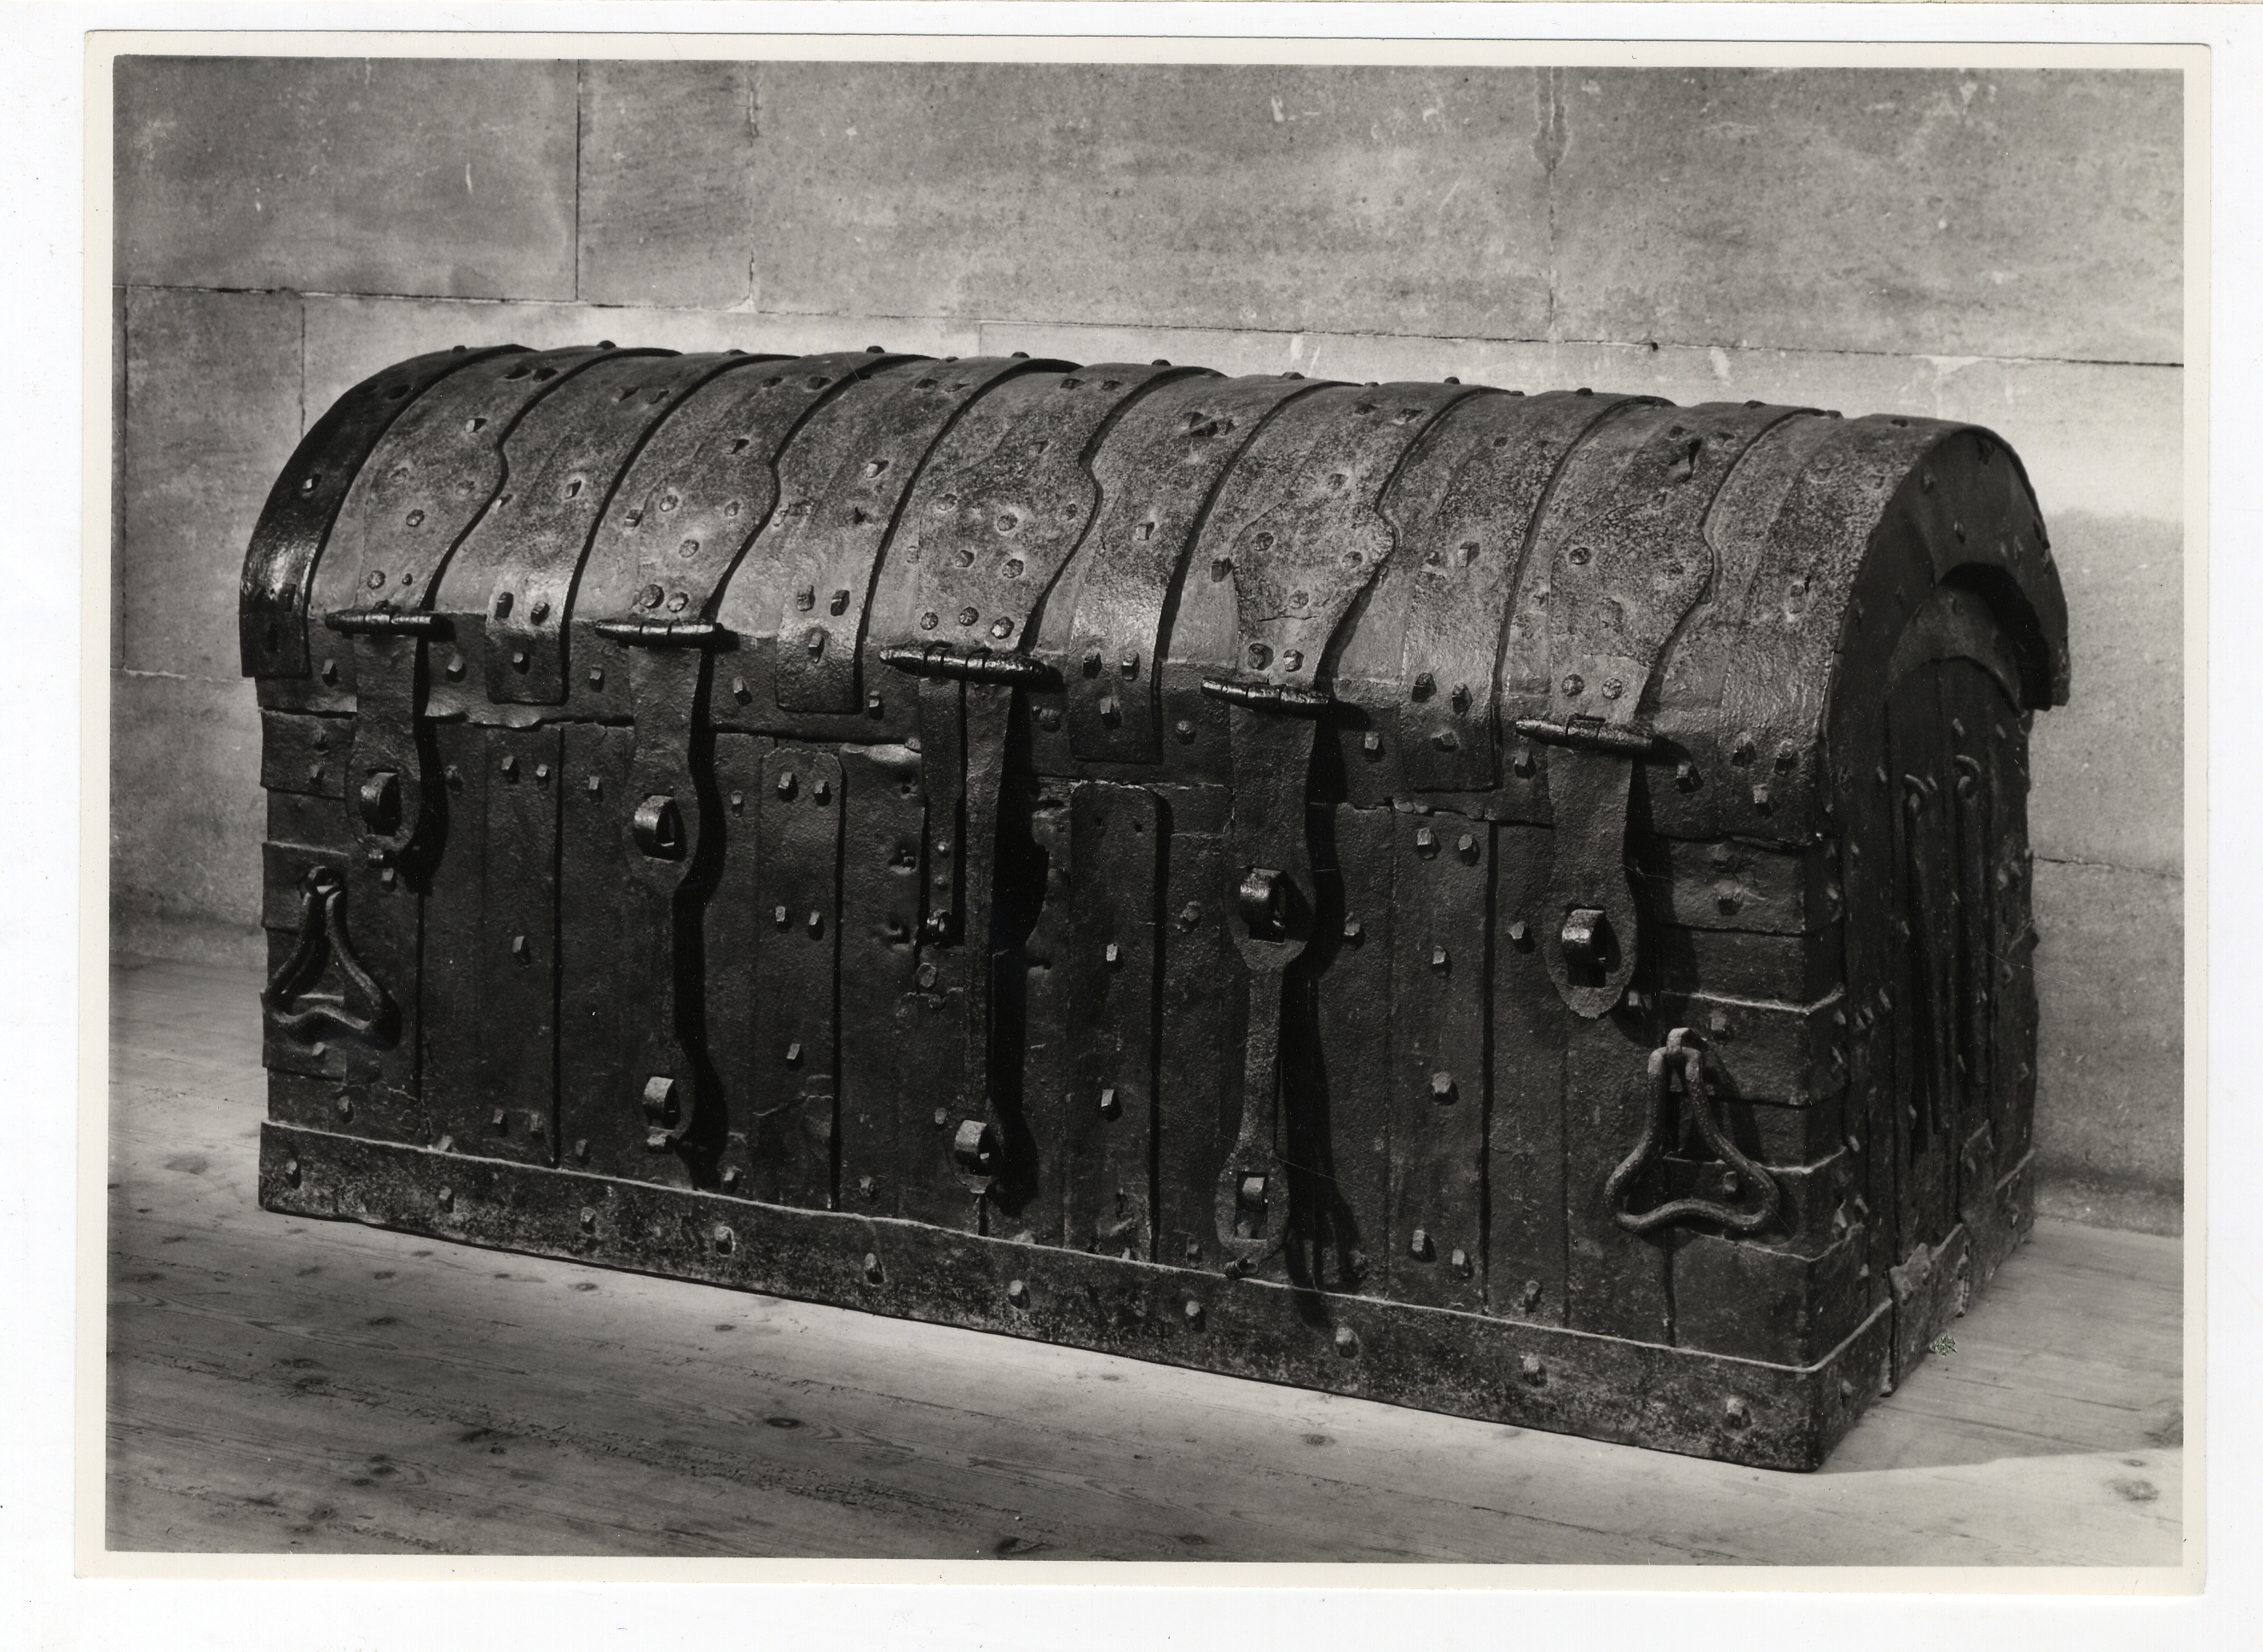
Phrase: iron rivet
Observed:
(731, 1177)
(1442, 1087)
(871, 1267)
(520, 950)
(1352, 929)
(447, 1199)
(926, 979)
(1531, 1367)
(1184, 729)
(1346, 1341)
(1194, 1312)
(291, 1171)
(1109, 1108)
(589, 1220)
(1438, 960)
(1739, 1414)
(723, 1240)
(1371, 742)
(581, 1150)
(1574, 684)
(1418, 1245)
(1017, 1292)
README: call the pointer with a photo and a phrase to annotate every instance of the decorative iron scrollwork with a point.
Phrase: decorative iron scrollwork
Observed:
(1677, 1068)
(364, 1009)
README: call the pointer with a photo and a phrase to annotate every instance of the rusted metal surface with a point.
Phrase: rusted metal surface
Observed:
(1157, 477)
(1529, 1376)
(296, 525)
(846, 481)
(1511, 904)
(1463, 507)
(1629, 560)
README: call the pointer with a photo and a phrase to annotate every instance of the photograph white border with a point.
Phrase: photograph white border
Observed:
(1448, 35)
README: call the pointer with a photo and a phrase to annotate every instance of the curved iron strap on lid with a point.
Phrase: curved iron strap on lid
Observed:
(278, 564)
(565, 457)
(1003, 502)
(845, 484)
(684, 514)
(1463, 508)
(1160, 466)
(439, 468)
(1296, 528)
(1629, 559)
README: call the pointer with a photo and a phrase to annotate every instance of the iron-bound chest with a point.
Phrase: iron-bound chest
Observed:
(1513, 904)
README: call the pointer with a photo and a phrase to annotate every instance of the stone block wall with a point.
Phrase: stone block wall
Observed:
(1999, 247)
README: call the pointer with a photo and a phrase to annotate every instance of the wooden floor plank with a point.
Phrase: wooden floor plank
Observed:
(284, 1385)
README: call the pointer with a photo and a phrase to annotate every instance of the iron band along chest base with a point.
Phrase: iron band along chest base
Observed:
(1499, 1368)
(1513, 905)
